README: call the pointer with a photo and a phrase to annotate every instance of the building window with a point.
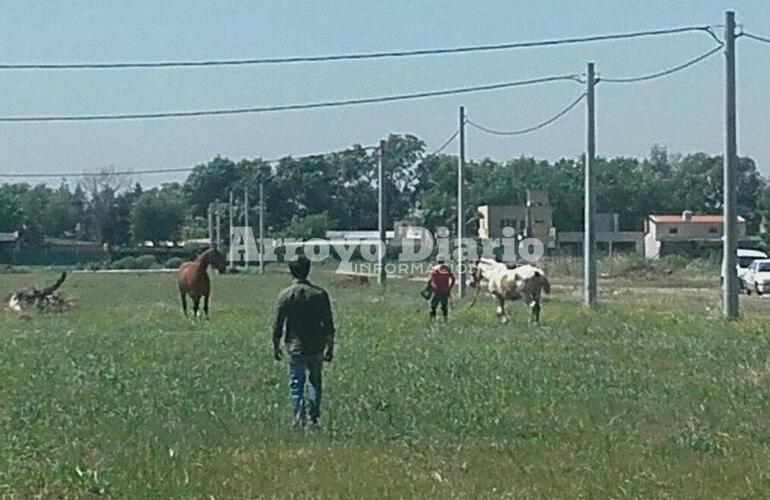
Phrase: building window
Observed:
(713, 230)
(673, 230)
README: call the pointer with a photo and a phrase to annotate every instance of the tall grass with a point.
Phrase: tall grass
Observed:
(669, 271)
(650, 396)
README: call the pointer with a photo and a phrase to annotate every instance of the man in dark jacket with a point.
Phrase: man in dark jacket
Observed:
(304, 321)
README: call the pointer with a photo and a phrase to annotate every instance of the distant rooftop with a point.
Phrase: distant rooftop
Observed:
(67, 242)
(9, 237)
(697, 219)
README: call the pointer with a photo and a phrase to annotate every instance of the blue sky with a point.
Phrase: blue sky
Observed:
(682, 112)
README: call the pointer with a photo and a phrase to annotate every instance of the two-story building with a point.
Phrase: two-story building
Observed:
(532, 219)
(608, 237)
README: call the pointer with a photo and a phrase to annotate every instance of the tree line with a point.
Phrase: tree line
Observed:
(306, 196)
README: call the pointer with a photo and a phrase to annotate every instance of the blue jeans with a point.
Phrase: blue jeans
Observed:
(302, 366)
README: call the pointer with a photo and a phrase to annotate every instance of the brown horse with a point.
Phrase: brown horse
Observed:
(193, 279)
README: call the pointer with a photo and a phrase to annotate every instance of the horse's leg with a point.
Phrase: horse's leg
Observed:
(501, 308)
(184, 302)
(533, 301)
(206, 306)
(536, 311)
(536, 307)
(196, 305)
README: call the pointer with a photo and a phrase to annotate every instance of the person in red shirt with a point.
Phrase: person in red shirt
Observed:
(440, 282)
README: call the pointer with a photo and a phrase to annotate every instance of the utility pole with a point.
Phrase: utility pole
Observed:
(730, 215)
(460, 212)
(382, 249)
(246, 240)
(217, 215)
(211, 226)
(230, 220)
(589, 235)
(261, 228)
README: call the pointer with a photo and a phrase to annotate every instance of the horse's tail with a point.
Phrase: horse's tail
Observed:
(48, 291)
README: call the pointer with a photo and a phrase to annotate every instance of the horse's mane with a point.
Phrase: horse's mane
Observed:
(206, 253)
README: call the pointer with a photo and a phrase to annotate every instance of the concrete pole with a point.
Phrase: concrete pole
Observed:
(247, 241)
(460, 210)
(230, 220)
(261, 228)
(589, 236)
(217, 216)
(730, 239)
(211, 226)
(381, 211)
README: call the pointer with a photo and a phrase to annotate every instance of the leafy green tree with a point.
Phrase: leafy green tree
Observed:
(10, 211)
(339, 190)
(158, 214)
(403, 154)
(308, 227)
(124, 203)
(102, 206)
(436, 178)
(58, 217)
(209, 182)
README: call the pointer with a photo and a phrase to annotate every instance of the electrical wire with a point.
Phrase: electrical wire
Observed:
(158, 170)
(446, 144)
(288, 107)
(96, 174)
(356, 56)
(532, 128)
(350, 102)
(660, 74)
(755, 37)
(713, 35)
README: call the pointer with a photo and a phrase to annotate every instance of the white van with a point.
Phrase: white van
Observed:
(745, 258)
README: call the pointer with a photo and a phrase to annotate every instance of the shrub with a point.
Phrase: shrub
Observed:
(173, 263)
(124, 263)
(145, 262)
(308, 227)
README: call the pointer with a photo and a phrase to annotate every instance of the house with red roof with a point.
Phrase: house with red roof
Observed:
(685, 233)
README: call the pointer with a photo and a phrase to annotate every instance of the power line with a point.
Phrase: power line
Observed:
(533, 128)
(755, 37)
(660, 74)
(288, 107)
(356, 56)
(161, 170)
(350, 102)
(97, 174)
(446, 143)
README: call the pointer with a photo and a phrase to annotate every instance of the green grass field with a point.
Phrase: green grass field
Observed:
(652, 396)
